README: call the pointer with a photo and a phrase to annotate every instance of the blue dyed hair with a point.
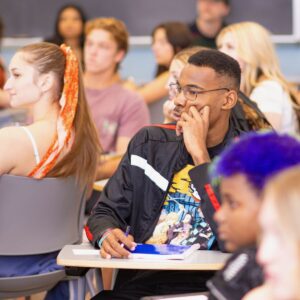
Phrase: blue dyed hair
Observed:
(258, 156)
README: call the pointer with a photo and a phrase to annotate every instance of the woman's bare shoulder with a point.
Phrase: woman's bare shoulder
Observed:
(10, 134)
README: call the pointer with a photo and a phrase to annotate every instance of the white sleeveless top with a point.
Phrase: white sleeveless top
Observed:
(34, 146)
(272, 98)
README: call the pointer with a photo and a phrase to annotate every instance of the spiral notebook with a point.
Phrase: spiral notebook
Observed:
(164, 251)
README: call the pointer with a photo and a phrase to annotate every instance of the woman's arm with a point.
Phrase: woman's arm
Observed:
(153, 90)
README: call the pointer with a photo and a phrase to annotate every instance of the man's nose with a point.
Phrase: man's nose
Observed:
(180, 100)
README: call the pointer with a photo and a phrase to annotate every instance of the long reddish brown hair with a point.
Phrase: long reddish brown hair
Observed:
(81, 161)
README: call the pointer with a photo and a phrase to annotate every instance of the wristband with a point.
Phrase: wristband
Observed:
(104, 236)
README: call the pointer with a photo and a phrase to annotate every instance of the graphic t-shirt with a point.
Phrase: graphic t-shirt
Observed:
(181, 221)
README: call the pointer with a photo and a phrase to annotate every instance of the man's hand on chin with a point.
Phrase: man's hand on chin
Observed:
(194, 127)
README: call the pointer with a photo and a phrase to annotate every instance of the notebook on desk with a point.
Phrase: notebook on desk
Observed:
(162, 252)
(193, 296)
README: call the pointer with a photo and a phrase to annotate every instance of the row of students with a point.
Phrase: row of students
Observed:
(262, 80)
(206, 93)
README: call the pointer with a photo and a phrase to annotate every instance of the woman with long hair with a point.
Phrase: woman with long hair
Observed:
(167, 40)
(262, 80)
(62, 139)
(69, 28)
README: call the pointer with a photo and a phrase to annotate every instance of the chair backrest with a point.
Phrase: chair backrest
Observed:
(39, 216)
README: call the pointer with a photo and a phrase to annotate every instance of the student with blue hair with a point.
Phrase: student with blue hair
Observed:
(243, 169)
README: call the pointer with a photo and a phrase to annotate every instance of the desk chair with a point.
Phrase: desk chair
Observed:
(36, 217)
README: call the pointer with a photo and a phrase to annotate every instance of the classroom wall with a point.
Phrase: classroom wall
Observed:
(289, 57)
(36, 17)
(140, 64)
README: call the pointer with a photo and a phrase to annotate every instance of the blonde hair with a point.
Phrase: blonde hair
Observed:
(255, 48)
(184, 55)
(284, 192)
(255, 121)
(81, 160)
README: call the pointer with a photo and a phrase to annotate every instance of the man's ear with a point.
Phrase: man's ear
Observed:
(230, 100)
(119, 56)
(46, 81)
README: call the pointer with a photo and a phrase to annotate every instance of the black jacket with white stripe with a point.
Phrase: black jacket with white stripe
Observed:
(136, 192)
(240, 274)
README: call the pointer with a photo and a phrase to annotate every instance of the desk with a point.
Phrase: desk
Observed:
(199, 260)
(100, 184)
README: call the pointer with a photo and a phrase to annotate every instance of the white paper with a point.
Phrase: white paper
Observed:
(86, 252)
(196, 297)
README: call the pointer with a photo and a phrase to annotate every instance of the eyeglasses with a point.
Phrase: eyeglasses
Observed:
(190, 93)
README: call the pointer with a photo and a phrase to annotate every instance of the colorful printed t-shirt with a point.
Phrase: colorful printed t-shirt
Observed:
(181, 221)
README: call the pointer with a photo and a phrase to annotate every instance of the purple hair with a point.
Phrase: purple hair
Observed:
(258, 156)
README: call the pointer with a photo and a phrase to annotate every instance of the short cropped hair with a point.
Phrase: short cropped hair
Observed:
(221, 63)
(115, 27)
(258, 156)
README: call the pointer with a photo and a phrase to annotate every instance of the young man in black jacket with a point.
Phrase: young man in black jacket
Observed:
(152, 190)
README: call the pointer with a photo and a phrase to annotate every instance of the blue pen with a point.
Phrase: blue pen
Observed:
(126, 233)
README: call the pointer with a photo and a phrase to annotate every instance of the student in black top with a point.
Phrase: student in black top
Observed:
(152, 181)
(209, 21)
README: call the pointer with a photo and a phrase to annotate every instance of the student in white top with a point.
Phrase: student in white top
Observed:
(62, 135)
(250, 44)
(61, 141)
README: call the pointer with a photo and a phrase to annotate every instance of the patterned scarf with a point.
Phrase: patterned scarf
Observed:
(68, 102)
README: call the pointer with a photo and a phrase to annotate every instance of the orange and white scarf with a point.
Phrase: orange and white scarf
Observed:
(68, 103)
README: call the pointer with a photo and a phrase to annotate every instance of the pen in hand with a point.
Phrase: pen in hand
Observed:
(126, 234)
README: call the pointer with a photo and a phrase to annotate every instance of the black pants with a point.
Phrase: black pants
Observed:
(134, 284)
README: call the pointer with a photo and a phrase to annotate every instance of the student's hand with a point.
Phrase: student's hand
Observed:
(115, 243)
(194, 127)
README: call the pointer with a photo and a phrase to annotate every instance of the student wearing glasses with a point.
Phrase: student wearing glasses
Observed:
(156, 170)
(246, 110)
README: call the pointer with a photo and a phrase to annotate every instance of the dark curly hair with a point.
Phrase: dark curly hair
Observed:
(224, 65)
